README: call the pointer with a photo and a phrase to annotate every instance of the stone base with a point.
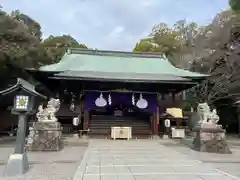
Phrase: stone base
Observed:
(155, 137)
(84, 137)
(45, 136)
(165, 136)
(211, 139)
(76, 135)
(17, 165)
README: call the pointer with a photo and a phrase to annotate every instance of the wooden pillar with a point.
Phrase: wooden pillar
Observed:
(155, 122)
(85, 119)
(178, 122)
(238, 113)
(173, 97)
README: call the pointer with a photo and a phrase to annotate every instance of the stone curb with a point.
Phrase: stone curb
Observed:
(82, 166)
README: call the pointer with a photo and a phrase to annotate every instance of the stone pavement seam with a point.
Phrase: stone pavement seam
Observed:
(107, 155)
(156, 173)
(82, 166)
(216, 169)
(227, 174)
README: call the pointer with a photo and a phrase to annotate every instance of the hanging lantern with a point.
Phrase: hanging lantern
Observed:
(109, 100)
(133, 99)
(142, 103)
(72, 107)
(167, 123)
(76, 121)
(100, 101)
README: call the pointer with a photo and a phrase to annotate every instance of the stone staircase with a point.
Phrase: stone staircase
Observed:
(100, 125)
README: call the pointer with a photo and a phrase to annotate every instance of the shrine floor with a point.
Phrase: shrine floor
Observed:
(143, 160)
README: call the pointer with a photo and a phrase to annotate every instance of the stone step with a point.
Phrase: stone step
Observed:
(104, 117)
(119, 124)
(106, 131)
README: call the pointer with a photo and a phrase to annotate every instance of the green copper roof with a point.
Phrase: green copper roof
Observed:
(117, 62)
(122, 77)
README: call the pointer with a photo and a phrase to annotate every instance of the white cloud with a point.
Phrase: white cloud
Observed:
(117, 31)
(111, 24)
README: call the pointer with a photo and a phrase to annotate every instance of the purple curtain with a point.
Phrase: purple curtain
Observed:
(124, 98)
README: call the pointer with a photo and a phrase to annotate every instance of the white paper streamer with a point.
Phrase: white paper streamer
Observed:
(109, 100)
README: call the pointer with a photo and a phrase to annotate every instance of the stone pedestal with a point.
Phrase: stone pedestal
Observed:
(45, 136)
(155, 137)
(210, 138)
(17, 164)
(165, 136)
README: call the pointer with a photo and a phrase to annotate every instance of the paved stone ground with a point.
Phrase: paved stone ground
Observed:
(229, 163)
(130, 160)
(142, 160)
(226, 162)
(60, 165)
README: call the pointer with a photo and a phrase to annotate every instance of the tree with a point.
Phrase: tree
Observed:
(20, 48)
(222, 63)
(145, 45)
(187, 33)
(235, 5)
(56, 46)
(176, 43)
(33, 26)
(17, 44)
(162, 39)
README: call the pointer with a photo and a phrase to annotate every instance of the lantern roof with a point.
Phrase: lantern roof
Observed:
(22, 85)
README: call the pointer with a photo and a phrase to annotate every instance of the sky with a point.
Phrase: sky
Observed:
(112, 24)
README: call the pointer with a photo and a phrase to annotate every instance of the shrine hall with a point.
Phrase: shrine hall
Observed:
(114, 89)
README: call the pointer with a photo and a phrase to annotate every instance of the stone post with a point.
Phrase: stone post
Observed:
(18, 162)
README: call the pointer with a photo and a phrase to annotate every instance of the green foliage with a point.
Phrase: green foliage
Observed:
(32, 26)
(144, 46)
(235, 5)
(186, 106)
(173, 42)
(17, 44)
(21, 46)
(57, 46)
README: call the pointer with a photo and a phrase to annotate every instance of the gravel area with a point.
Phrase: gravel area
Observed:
(60, 165)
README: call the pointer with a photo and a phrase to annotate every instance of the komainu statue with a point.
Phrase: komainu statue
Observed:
(209, 135)
(204, 112)
(213, 118)
(206, 115)
(49, 113)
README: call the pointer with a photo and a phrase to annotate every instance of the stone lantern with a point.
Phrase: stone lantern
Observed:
(24, 104)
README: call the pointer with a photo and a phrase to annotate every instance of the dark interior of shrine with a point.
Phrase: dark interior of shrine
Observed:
(122, 110)
(102, 119)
